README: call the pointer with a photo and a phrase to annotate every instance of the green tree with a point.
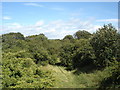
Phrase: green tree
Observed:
(40, 37)
(84, 54)
(66, 55)
(13, 42)
(12, 36)
(40, 55)
(70, 37)
(82, 34)
(105, 45)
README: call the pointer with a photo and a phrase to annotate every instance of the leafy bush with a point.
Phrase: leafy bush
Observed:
(113, 80)
(105, 45)
(23, 73)
(84, 54)
(66, 55)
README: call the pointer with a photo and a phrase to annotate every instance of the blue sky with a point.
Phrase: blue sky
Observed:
(57, 19)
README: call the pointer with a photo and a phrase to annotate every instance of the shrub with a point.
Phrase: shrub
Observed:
(105, 45)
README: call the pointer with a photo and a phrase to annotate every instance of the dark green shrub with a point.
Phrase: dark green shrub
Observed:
(84, 54)
(113, 81)
(66, 55)
(105, 45)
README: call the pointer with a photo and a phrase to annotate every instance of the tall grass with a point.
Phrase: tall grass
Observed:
(66, 79)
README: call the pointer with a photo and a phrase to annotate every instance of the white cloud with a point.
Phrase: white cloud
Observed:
(54, 29)
(17, 25)
(6, 18)
(11, 27)
(107, 20)
(39, 23)
(33, 4)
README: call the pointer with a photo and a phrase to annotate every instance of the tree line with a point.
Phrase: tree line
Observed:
(22, 57)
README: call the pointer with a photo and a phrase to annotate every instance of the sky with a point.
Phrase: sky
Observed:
(57, 19)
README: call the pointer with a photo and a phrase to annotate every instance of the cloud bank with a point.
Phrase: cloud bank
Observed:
(54, 29)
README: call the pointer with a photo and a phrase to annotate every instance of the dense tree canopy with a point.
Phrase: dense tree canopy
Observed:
(84, 54)
(105, 44)
(24, 57)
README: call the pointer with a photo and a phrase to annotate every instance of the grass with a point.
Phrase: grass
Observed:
(67, 79)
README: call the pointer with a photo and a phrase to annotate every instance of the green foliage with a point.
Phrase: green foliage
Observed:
(66, 55)
(40, 37)
(54, 48)
(84, 54)
(105, 45)
(12, 36)
(11, 44)
(41, 56)
(67, 79)
(25, 60)
(12, 40)
(118, 47)
(23, 73)
(113, 80)
(82, 34)
(70, 37)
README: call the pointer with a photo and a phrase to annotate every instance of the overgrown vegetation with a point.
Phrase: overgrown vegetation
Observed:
(83, 60)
